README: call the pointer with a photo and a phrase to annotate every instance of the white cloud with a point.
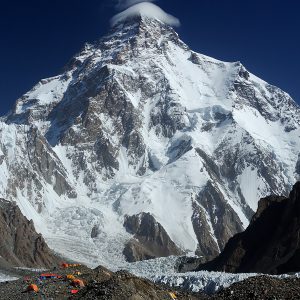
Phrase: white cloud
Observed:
(148, 10)
(124, 4)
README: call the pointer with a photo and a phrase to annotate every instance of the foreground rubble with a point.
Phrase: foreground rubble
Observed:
(261, 288)
(80, 282)
(99, 283)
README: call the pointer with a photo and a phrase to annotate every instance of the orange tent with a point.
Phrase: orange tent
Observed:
(33, 288)
(70, 276)
(65, 265)
(78, 282)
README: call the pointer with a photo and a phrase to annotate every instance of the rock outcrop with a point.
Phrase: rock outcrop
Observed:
(150, 239)
(20, 244)
(270, 244)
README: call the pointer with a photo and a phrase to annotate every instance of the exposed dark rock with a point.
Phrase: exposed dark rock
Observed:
(179, 148)
(224, 219)
(187, 264)
(47, 164)
(150, 239)
(20, 244)
(194, 58)
(135, 251)
(244, 73)
(270, 244)
(95, 231)
(261, 288)
(207, 246)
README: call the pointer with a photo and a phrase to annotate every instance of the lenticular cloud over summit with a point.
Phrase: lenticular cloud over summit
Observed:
(124, 4)
(145, 9)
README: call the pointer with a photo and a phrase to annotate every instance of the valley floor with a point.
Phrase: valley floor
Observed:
(100, 283)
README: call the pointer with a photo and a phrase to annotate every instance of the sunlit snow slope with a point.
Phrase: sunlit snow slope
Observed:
(138, 122)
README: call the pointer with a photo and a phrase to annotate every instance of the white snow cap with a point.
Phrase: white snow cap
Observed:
(124, 4)
(145, 9)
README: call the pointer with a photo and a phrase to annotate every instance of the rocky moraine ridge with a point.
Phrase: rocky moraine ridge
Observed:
(146, 145)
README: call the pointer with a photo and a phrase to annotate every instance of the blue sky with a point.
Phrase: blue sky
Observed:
(38, 37)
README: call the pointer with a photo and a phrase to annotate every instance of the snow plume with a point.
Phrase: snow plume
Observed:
(124, 4)
(145, 9)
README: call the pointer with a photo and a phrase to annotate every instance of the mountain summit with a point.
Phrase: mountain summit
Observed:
(142, 141)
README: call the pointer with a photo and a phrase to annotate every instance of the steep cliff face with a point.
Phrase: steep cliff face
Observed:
(139, 123)
(270, 244)
(20, 244)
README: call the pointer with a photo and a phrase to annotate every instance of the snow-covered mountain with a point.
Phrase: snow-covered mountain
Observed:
(145, 145)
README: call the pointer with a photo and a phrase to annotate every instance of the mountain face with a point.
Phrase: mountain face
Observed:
(270, 244)
(139, 123)
(20, 244)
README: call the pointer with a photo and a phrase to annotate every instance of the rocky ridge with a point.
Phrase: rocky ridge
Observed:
(269, 245)
(20, 244)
